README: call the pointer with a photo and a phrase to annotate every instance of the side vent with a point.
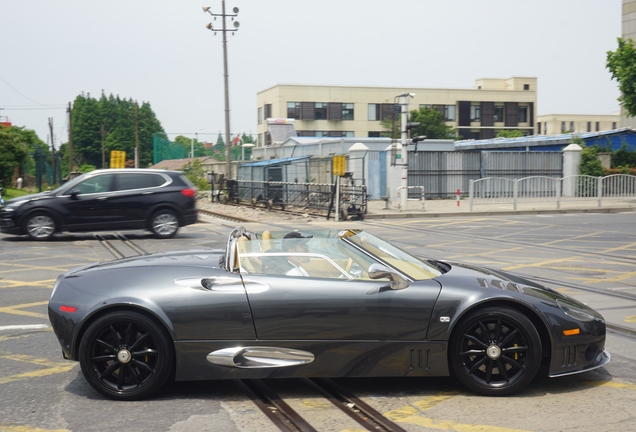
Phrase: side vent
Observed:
(498, 284)
(570, 355)
(482, 282)
(419, 359)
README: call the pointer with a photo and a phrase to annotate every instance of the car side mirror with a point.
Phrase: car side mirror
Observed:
(378, 271)
(75, 193)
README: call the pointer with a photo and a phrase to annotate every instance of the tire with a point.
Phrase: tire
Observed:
(164, 224)
(495, 351)
(126, 356)
(40, 226)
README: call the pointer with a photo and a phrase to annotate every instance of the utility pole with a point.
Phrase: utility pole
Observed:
(136, 135)
(70, 141)
(53, 150)
(224, 30)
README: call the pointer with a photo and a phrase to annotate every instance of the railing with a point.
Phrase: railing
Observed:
(319, 197)
(571, 190)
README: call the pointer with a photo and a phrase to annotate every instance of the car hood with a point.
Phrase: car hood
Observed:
(31, 197)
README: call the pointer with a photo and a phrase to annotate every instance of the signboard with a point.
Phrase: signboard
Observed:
(339, 165)
(117, 159)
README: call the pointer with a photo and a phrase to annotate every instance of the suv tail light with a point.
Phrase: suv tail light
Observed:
(189, 192)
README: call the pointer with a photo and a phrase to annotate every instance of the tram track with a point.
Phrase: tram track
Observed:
(115, 242)
(287, 419)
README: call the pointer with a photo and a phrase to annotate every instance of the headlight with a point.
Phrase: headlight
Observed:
(576, 310)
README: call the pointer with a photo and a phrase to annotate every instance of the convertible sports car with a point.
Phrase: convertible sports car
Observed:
(314, 304)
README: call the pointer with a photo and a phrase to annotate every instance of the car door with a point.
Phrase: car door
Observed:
(89, 208)
(135, 194)
(315, 308)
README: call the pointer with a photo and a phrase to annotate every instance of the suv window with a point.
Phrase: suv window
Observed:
(130, 181)
(96, 184)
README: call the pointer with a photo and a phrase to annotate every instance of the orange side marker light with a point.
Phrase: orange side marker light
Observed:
(571, 332)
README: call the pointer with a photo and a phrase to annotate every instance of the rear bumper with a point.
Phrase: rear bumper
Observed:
(190, 219)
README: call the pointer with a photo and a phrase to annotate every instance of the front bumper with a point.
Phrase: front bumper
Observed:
(8, 226)
(601, 360)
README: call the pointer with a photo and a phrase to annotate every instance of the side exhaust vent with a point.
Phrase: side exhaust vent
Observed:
(419, 359)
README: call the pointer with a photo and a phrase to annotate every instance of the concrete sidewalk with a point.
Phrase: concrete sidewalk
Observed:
(376, 209)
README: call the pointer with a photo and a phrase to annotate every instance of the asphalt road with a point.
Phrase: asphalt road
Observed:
(589, 256)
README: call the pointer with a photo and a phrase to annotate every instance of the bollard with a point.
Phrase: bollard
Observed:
(457, 194)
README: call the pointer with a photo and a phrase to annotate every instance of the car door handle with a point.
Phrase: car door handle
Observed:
(147, 193)
(102, 198)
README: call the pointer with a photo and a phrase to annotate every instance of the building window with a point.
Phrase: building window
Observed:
(449, 113)
(589, 126)
(498, 116)
(293, 110)
(613, 125)
(260, 115)
(475, 113)
(538, 128)
(321, 111)
(523, 114)
(347, 111)
(598, 126)
(571, 126)
(260, 140)
(526, 86)
(562, 127)
(374, 112)
(427, 106)
(372, 134)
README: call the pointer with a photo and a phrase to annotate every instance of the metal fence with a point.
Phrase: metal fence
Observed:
(571, 190)
(316, 197)
(443, 173)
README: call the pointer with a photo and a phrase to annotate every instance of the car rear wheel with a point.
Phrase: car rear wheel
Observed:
(126, 356)
(40, 226)
(495, 351)
(164, 224)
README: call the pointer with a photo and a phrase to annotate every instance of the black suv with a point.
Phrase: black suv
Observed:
(111, 199)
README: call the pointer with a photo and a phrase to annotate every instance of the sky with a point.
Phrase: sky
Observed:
(160, 52)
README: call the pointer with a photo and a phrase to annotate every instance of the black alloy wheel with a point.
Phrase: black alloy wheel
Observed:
(164, 224)
(126, 356)
(495, 351)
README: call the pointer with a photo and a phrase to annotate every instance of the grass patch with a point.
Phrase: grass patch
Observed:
(9, 193)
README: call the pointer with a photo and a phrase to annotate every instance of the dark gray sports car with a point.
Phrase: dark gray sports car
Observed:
(314, 304)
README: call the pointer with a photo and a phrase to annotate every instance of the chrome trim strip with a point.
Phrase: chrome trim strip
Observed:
(258, 357)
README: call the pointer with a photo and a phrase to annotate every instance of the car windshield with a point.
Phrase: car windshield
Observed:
(327, 254)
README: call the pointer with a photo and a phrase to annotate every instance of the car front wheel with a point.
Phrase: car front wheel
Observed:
(495, 351)
(40, 226)
(126, 356)
(164, 224)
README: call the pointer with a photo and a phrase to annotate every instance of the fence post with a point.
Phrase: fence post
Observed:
(471, 190)
(599, 192)
(515, 191)
(558, 192)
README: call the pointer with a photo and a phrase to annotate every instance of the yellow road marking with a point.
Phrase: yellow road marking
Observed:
(22, 428)
(612, 384)
(412, 415)
(47, 283)
(15, 310)
(630, 319)
(571, 238)
(51, 367)
(540, 264)
(628, 246)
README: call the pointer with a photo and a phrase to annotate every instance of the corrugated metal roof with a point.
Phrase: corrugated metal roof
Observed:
(281, 161)
(534, 140)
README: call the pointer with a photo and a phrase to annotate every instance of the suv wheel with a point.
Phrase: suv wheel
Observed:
(164, 223)
(40, 226)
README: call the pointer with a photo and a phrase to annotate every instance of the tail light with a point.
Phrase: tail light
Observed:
(189, 192)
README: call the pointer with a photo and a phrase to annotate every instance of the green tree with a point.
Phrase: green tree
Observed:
(622, 65)
(509, 134)
(590, 164)
(13, 152)
(117, 116)
(431, 124)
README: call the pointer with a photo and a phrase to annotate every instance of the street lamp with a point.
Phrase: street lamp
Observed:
(248, 145)
(224, 30)
(196, 134)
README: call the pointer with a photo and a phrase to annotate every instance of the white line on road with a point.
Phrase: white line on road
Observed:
(24, 327)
